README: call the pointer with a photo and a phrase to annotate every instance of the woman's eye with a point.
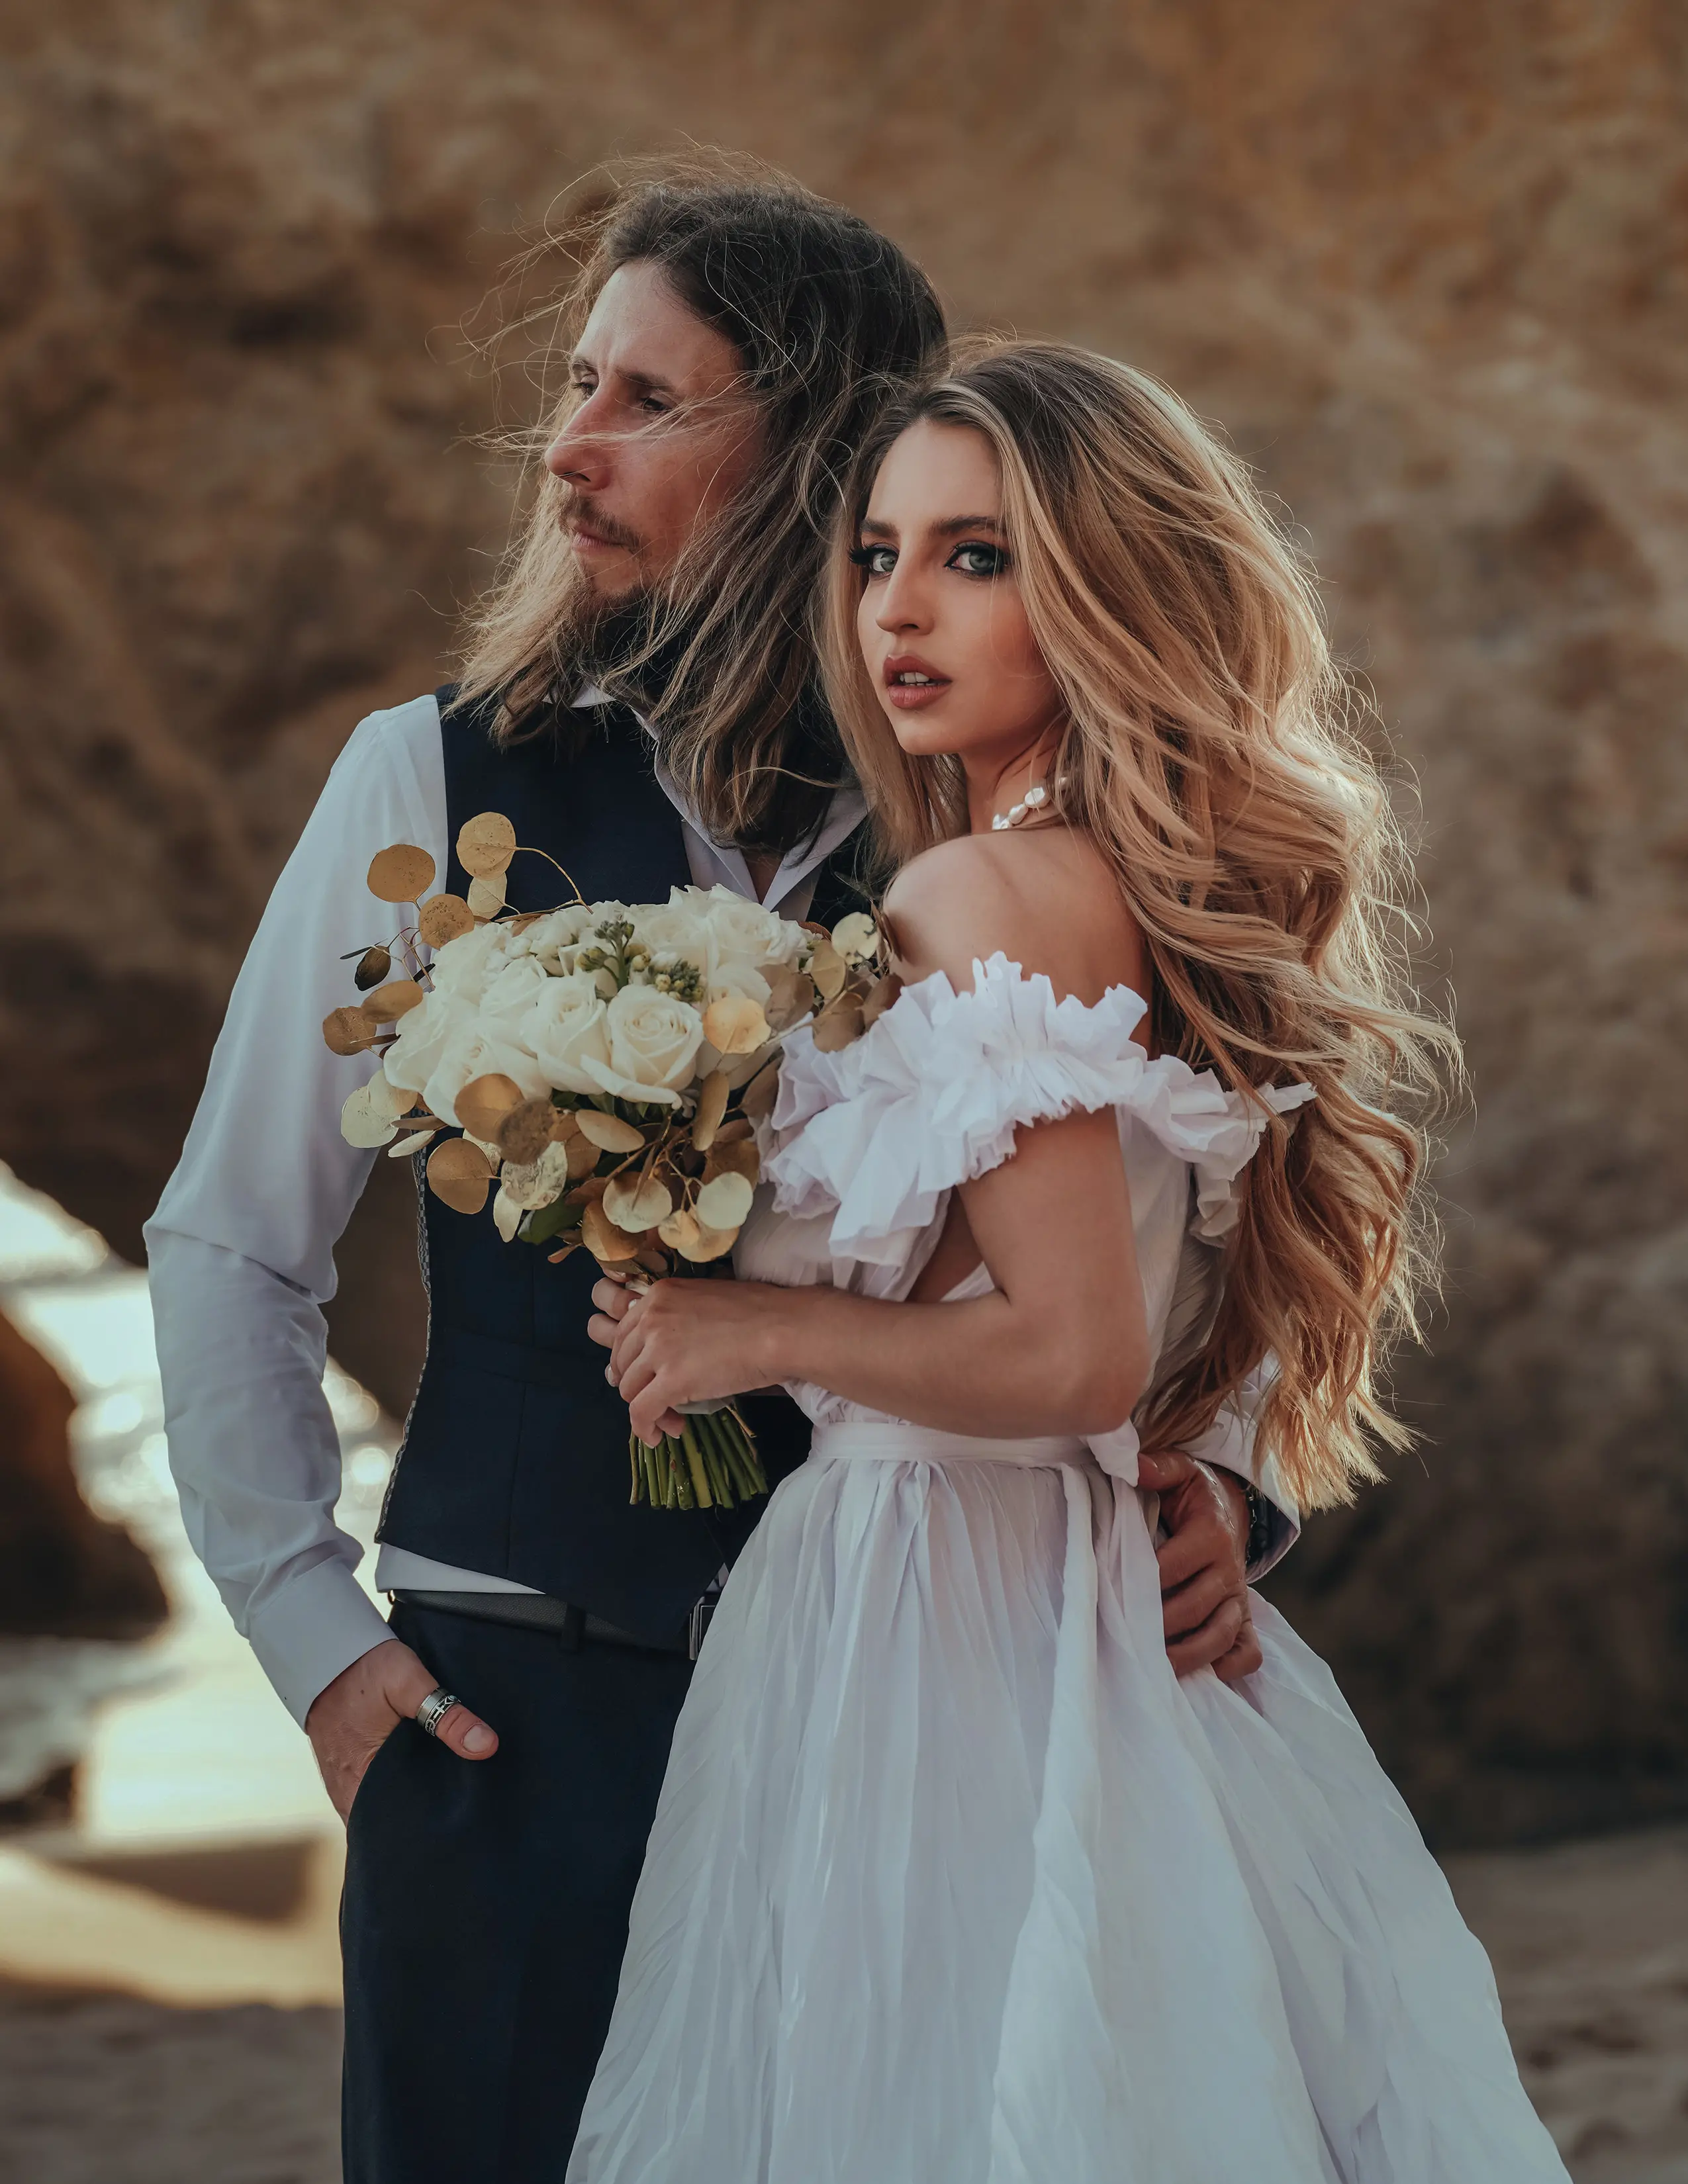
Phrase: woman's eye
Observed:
(655, 407)
(978, 560)
(877, 560)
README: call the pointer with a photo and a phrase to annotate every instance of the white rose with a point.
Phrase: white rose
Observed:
(463, 966)
(565, 1027)
(679, 926)
(512, 992)
(476, 1049)
(745, 933)
(558, 931)
(653, 1042)
(423, 1034)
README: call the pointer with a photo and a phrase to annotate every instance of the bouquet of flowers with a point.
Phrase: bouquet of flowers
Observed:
(603, 1063)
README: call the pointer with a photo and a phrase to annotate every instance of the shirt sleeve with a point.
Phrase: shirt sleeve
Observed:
(241, 1248)
(1229, 1442)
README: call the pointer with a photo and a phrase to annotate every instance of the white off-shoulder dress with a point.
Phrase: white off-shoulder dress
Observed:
(953, 1880)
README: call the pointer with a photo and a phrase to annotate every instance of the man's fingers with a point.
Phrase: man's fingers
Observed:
(1196, 1545)
(1200, 1649)
(1243, 1659)
(1160, 1474)
(468, 1736)
(409, 1681)
(1188, 1607)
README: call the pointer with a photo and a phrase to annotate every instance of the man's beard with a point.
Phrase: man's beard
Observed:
(629, 647)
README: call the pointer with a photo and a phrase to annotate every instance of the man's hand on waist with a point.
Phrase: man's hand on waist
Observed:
(1206, 1608)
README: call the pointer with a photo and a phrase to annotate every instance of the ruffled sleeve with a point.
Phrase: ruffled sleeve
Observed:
(932, 1096)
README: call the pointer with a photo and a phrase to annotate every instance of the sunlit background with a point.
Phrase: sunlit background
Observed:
(1427, 262)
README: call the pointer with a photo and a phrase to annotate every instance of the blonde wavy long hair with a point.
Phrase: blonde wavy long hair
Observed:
(1211, 751)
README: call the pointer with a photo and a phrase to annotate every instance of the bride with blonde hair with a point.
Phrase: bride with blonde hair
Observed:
(953, 1879)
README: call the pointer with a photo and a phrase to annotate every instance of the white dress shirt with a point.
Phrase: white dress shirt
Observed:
(241, 1248)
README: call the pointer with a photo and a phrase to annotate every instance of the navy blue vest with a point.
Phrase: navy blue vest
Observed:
(514, 1457)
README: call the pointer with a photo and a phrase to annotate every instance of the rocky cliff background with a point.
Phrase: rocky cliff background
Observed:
(1427, 262)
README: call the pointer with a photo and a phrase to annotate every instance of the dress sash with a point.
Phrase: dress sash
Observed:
(873, 1440)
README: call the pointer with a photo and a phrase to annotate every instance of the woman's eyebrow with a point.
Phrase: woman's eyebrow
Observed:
(948, 528)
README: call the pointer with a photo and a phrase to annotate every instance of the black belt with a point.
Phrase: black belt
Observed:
(538, 1611)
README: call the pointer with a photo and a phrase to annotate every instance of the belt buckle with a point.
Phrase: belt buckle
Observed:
(697, 1622)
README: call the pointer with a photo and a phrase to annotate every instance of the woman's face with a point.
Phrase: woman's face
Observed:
(942, 624)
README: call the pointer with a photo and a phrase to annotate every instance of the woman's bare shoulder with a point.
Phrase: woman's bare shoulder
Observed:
(1046, 900)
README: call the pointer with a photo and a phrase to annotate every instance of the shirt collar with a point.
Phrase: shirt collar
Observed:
(846, 812)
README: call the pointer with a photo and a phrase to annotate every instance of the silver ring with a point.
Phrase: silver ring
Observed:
(434, 1709)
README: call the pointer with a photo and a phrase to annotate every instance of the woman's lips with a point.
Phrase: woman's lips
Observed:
(912, 697)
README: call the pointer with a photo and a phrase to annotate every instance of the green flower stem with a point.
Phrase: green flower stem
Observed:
(713, 1463)
(702, 1485)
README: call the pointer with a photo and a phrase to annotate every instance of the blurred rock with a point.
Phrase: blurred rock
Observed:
(1426, 262)
(64, 1572)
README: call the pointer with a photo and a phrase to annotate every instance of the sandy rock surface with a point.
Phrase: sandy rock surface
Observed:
(1589, 1943)
(1425, 261)
(107, 2087)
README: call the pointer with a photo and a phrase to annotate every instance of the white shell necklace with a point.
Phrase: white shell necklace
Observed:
(1030, 804)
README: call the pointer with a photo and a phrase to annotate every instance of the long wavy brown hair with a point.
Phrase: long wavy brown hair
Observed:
(826, 316)
(1214, 753)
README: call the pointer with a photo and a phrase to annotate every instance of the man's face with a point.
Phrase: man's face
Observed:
(662, 439)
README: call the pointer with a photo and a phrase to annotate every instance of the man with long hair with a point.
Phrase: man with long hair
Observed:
(639, 697)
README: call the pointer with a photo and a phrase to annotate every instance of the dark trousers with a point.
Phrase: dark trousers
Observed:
(485, 1914)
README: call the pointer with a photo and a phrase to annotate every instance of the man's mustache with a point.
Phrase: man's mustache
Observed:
(574, 509)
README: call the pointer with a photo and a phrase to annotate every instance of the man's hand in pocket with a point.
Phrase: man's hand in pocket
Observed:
(352, 1718)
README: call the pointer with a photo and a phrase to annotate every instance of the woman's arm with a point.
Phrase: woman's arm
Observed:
(1062, 1346)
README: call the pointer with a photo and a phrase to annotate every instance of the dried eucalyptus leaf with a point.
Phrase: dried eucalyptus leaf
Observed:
(347, 1031)
(735, 1024)
(487, 896)
(525, 1131)
(679, 1230)
(711, 1106)
(706, 1244)
(761, 1092)
(790, 996)
(725, 1202)
(373, 966)
(484, 1101)
(363, 1123)
(386, 1098)
(740, 1158)
(460, 1174)
(608, 1132)
(412, 1144)
(486, 844)
(857, 938)
(400, 873)
(839, 1026)
(609, 1245)
(506, 1216)
(444, 918)
(582, 1155)
(388, 1003)
(829, 969)
(637, 1203)
(879, 997)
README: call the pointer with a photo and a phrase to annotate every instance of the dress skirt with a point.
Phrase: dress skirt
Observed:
(954, 1881)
